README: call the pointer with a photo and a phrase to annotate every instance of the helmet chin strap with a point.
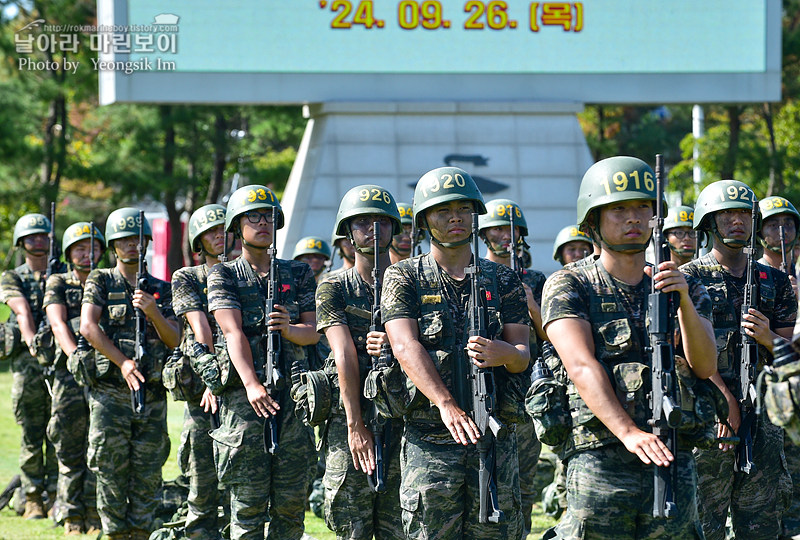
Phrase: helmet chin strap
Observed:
(34, 252)
(777, 249)
(502, 252)
(434, 240)
(621, 248)
(364, 250)
(680, 252)
(730, 242)
(402, 253)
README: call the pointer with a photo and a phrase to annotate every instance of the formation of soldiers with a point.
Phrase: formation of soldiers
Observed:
(430, 378)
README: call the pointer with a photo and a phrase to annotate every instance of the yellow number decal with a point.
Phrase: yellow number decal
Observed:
(363, 195)
(574, 232)
(620, 180)
(649, 184)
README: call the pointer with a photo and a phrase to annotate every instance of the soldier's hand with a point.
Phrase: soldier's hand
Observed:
(793, 281)
(486, 353)
(375, 340)
(261, 401)
(648, 447)
(133, 377)
(459, 423)
(359, 438)
(279, 320)
(146, 302)
(209, 401)
(756, 325)
(669, 278)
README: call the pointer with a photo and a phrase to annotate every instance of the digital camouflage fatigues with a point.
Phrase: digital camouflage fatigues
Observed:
(127, 451)
(68, 428)
(29, 398)
(755, 499)
(609, 490)
(528, 445)
(257, 479)
(439, 477)
(196, 454)
(352, 509)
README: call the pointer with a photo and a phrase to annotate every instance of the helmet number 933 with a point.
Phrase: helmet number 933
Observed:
(374, 195)
(446, 181)
(622, 181)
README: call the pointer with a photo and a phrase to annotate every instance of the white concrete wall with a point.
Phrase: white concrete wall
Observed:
(537, 149)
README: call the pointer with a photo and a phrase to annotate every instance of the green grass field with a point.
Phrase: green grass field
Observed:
(13, 527)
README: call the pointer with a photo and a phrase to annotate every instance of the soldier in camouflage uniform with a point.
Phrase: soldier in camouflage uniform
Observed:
(345, 249)
(315, 252)
(23, 290)
(594, 315)
(424, 305)
(776, 212)
(681, 238)
(260, 481)
(723, 212)
(127, 449)
(190, 301)
(495, 227)
(353, 510)
(68, 428)
(401, 243)
(571, 245)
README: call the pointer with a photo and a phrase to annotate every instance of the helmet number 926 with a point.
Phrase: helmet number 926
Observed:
(260, 194)
(446, 181)
(737, 193)
(374, 195)
(622, 181)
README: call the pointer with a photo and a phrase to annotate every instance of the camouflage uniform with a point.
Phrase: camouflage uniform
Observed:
(754, 499)
(29, 397)
(257, 479)
(439, 477)
(68, 428)
(610, 490)
(127, 451)
(528, 445)
(196, 454)
(352, 509)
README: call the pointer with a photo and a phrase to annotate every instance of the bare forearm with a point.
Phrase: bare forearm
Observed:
(698, 342)
(595, 389)
(302, 334)
(419, 368)
(102, 344)
(168, 330)
(350, 385)
(63, 336)
(241, 357)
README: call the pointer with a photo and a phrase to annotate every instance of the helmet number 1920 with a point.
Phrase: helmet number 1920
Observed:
(446, 181)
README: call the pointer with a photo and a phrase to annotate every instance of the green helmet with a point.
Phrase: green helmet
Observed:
(125, 222)
(76, 232)
(365, 200)
(30, 224)
(611, 180)
(679, 216)
(203, 219)
(775, 205)
(406, 213)
(443, 185)
(498, 213)
(312, 245)
(253, 197)
(566, 235)
(615, 179)
(721, 195)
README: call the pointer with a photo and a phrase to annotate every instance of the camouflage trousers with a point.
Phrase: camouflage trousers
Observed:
(528, 448)
(259, 481)
(610, 496)
(31, 404)
(439, 491)
(755, 500)
(126, 453)
(196, 462)
(352, 509)
(68, 430)
(790, 523)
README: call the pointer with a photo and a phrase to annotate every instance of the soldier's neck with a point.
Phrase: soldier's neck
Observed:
(259, 259)
(734, 261)
(211, 260)
(774, 259)
(679, 260)
(128, 271)
(364, 265)
(452, 260)
(37, 264)
(626, 267)
(492, 256)
(80, 275)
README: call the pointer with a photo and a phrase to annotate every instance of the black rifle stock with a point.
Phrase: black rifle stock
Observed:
(665, 412)
(83, 343)
(52, 268)
(512, 248)
(223, 257)
(274, 380)
(749, 359)
(483, 397)
(415, 247)
(377, 423)
(137, 396)
(782, 233)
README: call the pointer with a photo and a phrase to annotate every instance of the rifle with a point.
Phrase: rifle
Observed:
(52, 259)
(483, 394)
(782, 236)
(749, 359)
(665, 413)
(137, 396)
(415, 247)
(274, 379)
(83, 343)
(44, 325)
(378, 424)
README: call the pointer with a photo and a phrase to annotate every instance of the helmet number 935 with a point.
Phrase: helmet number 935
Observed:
(622, 181)
(374, 195)
(736, 193)
(260, 194)
(446, 181)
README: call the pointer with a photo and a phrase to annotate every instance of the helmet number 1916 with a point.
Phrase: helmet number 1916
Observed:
(622, 181)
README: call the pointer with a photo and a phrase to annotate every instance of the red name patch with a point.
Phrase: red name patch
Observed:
(762, 275)
(156, 295)
(488, 296)
(285, 287)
